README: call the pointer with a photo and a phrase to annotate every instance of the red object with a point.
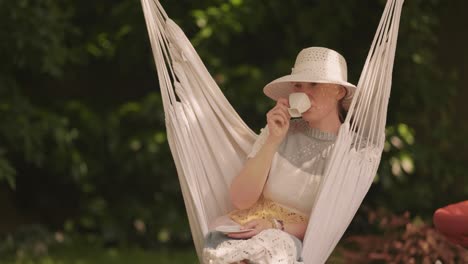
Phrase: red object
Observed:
(452, 222)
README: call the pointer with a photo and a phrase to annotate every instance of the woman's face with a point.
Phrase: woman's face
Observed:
(323, 97)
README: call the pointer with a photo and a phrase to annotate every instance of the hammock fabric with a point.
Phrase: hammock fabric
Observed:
(209, 141)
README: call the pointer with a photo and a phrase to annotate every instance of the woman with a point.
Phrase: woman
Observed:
(278, 184)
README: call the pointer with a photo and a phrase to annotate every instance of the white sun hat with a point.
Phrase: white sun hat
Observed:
(314, 64)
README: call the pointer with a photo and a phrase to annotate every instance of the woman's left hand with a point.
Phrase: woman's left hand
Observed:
(258, 225)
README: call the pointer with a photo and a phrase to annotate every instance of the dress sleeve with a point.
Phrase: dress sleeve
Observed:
(262, 137)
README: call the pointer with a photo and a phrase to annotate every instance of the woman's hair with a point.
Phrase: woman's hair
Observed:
(341, 110)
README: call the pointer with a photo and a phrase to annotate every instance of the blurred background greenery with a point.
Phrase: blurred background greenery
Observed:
(86, 175)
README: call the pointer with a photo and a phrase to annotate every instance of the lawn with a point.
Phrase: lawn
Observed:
(91, 254)
(94, 255)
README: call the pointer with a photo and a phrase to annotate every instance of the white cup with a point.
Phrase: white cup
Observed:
(298, 103)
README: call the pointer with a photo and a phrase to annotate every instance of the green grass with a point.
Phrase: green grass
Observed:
(82, 251)
(94, 255)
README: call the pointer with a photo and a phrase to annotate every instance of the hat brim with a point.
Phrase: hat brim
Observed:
(282, 87)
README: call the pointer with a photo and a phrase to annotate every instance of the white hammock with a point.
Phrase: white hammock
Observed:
(210, 142)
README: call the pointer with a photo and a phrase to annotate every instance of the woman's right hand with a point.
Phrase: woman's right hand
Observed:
(278, 121)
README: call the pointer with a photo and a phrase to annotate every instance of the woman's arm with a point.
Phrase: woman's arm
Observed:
(247, 187)
(258, 225)
(298, 230)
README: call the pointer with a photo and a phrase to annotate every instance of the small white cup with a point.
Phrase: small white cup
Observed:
(298, 103)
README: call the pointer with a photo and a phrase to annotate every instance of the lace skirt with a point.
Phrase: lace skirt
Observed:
(269, 244)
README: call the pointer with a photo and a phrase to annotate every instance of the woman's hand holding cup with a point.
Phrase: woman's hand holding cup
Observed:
(278, 121)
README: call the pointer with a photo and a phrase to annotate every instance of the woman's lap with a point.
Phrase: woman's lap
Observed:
(214, 238)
